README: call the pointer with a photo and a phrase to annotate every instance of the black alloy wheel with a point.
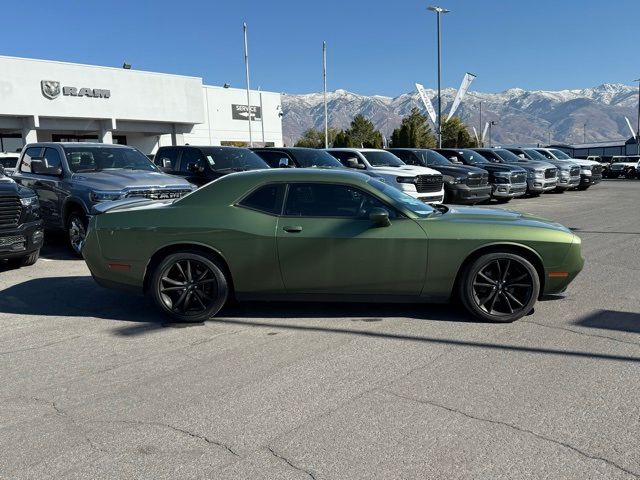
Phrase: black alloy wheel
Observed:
(500, 287)
(189, 286)
(77, 231)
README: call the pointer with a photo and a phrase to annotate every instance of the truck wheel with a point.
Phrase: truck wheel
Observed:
(189, 286)
(77, 231)
(630, 174)
(499, 287)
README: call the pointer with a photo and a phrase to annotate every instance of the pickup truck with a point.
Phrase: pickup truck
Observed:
(202, 164)
(21, 233)
(422, 183)
(623, 166)
(71, 178)
(590, 171)
(462, 183)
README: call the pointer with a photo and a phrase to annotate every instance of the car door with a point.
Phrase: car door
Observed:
(45, 183)
(327, 244)
(194, 167)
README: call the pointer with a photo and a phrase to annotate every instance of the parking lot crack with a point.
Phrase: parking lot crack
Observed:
(517, 428)
(578, 332)
(291, 464)
(37, 347)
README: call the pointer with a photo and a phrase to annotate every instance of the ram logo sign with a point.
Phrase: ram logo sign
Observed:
(51, 89)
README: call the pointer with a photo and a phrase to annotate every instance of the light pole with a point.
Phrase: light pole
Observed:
(584, 133)
(439, 10)
(638, 128)
(246, 67)
(491, 124)
(481, 145)
(324, 87)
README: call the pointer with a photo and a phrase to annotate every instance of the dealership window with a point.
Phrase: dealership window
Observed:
(117, 139)
(10, 142)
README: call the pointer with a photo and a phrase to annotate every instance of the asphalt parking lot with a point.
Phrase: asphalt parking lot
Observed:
(94, 385)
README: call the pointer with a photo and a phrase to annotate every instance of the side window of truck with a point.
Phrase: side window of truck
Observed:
(52, 158)
(167, 158)
(25, 164)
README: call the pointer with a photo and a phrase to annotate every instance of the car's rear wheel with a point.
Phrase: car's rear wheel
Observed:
(189, 286)
(77, 231)
(499, 287)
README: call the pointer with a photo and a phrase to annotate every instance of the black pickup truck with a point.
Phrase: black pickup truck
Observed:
(21, 231)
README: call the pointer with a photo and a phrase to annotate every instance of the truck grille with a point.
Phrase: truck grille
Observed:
(550, 173)
(597, 169)
(10, 210)
(478, 180)
(428, 183)
(519, 177)
(574, 172)
(158, 194)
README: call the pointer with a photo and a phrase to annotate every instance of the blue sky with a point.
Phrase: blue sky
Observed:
(375, 47)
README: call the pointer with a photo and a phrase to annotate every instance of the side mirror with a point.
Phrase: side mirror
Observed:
(40, 166)
(2, 173)
(353, 163)
(379, 217)
(166, 163)
(283, 162)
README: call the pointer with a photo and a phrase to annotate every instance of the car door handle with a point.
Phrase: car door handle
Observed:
(296, 229)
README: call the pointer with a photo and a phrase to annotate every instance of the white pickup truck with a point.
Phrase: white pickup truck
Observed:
(623, 166)
(423, 183)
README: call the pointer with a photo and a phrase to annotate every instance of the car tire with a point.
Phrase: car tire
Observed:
(189, 286)
(583, 188)
(631, 174)
(503, 200)
(77, 231)
(499, 287)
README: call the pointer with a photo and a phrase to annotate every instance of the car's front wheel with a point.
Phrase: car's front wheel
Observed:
(77, 231)
(499, 287)
(189, 286)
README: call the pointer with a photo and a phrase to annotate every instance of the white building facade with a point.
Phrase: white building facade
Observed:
(44, 100)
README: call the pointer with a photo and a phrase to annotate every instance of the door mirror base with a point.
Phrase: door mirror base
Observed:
(379, 217)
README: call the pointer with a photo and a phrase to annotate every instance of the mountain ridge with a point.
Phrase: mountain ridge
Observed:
(522, 116)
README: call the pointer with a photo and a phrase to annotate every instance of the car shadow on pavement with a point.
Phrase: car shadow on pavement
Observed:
(611, 320)
(56, 247)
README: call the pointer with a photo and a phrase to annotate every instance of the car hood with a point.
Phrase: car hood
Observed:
(456, 170)
(533, 165)
(485, 216)
(404, 170)
(120, 179)
(502, 167)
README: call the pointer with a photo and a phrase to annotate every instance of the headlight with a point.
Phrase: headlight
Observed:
(456, 180)
(585, 171)
(406, 179)
(29, 201)
(105, 195)
(539, 174)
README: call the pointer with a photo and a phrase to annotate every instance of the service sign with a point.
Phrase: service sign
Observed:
(241, 112)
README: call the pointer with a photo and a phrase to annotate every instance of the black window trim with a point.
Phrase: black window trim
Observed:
(286, 196)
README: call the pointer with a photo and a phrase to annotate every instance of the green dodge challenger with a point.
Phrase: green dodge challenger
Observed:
(305, 234)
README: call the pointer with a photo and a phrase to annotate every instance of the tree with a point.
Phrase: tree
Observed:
(361, 134)
(414, 132)
(314, 138)
(456, 135)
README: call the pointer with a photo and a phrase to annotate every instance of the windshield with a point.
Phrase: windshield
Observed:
(380, 158)
(432, 159)
(234, 159)
(472, 158)
(535, 155)
(560, 154)
(416, 206)
(315, 158)
(507, 156)
(95, 159)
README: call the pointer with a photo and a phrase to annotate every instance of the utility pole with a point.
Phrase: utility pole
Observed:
(262, 117)
(439, 10)
(480, 130)
(246, 67)
(324, 81)
(491, 124)
(584, 133)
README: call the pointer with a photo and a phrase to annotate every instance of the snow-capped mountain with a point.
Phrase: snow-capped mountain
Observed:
(522, 116)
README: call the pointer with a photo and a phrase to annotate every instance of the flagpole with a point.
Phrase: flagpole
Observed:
(324, 79)
(246, 66)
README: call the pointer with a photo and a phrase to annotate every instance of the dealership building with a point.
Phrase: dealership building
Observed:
(43, 100)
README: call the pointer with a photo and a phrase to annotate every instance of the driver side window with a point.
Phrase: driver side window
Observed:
(190, 156)
(327, 200)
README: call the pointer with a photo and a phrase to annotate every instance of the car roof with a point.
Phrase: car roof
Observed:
(78, 144)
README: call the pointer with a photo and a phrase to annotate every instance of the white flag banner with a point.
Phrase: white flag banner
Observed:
(475, 133)
(633, 133)
(484, 132)
(427, 102)
(464, 86)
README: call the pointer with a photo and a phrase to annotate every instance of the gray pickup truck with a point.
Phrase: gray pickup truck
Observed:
(70, 178)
